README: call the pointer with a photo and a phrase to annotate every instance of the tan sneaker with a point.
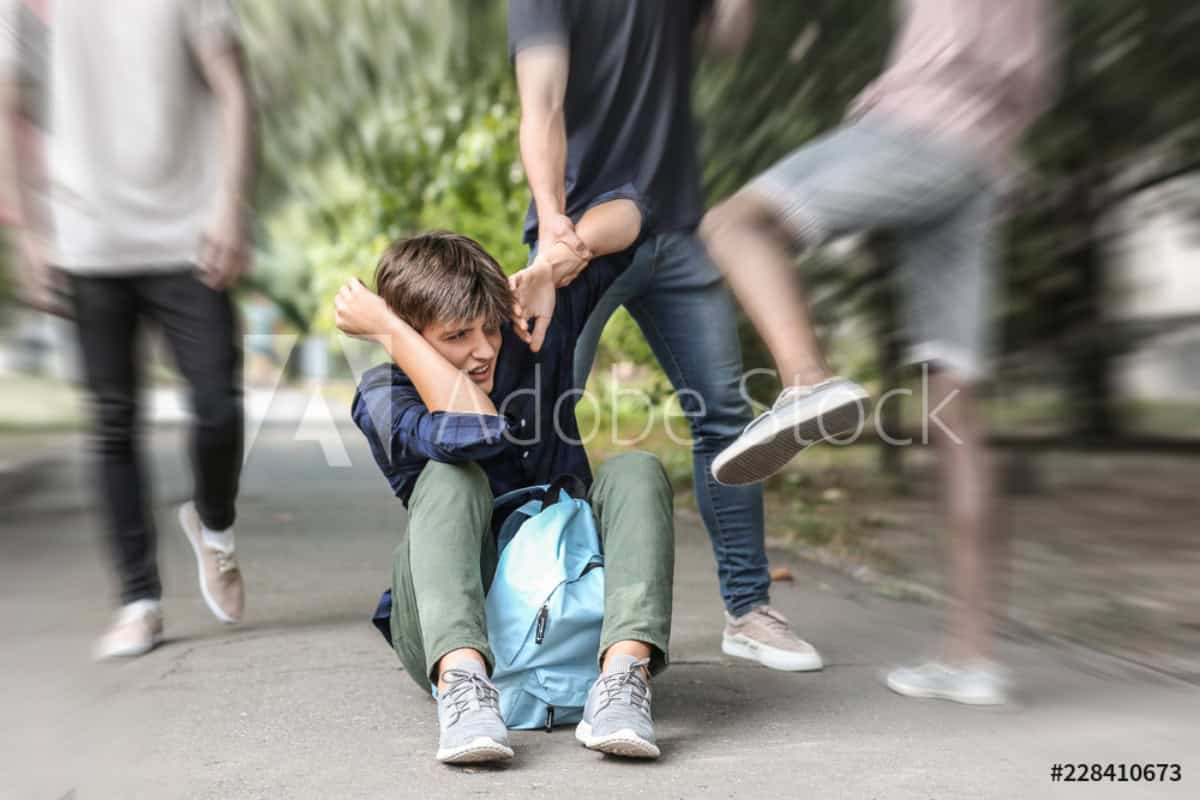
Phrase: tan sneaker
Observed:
(136, 631)
(763, 635)
(220, 579)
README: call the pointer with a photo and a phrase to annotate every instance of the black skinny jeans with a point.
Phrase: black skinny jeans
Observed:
(200, 327)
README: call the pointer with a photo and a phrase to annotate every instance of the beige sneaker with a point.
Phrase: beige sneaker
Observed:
(136, 631)
(220, 579)
(763, 635)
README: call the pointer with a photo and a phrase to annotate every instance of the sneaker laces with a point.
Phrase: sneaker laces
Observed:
(788, 395)
(773, 620)
(464, 689)
(613, 684)
(226, 562)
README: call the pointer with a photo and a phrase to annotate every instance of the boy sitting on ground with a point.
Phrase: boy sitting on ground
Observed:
(469, 411)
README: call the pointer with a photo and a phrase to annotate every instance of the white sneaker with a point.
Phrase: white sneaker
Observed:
(136, 631)
(763, 635)
(978, 684)
(801, 416)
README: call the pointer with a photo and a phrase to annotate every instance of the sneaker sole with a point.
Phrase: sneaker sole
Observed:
(216, 610)
(624, 743)
(126, 652)
(479, 751)
(764, 451)
(772, 657)
(934, 694)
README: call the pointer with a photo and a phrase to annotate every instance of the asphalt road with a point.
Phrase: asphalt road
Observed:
(304, 700)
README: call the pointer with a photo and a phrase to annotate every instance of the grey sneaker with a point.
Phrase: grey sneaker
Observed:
(472, 731)
(616, 718)
(136, 631)
(763, 635)
(801, 416)
(977, 684)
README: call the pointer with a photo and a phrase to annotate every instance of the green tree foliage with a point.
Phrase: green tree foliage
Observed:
(384, 117)
(805, 64)
(1127, 118)
(381, 118)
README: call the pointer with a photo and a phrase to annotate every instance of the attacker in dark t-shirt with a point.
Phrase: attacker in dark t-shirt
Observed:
(605, 102)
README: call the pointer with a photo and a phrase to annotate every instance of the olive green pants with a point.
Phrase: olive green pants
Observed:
(442, 570)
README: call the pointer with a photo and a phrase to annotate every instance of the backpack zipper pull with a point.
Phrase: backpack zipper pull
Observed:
(542, 618)
(549, 719)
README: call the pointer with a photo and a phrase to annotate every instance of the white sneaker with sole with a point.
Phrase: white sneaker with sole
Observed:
(136, 631)
(763, 635)
(977, 684)
(801, 416)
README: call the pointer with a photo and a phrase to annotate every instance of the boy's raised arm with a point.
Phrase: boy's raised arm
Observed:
(360, 312)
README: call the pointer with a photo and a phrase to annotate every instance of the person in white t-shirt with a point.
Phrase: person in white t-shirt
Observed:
(149, 158)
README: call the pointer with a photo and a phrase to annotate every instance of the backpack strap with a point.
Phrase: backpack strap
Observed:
(568, 483)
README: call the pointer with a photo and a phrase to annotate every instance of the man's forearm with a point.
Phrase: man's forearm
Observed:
(19, 168)
(607, 228)
(440, 384)
(238, 142)
(544, 155)
(542, 73)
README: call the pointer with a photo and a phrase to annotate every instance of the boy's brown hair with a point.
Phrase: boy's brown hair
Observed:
(442, 277)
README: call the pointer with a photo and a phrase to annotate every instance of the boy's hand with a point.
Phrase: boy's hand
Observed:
(534, 298)
(360, 312)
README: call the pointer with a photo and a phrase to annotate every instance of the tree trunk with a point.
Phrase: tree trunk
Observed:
(1091, 359)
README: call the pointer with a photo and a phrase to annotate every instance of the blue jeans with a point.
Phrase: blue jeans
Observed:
(677, 297)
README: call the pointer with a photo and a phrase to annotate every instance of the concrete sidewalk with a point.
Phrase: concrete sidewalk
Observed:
(304, 699)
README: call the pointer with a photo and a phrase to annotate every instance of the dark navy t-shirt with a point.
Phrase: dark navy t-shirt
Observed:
(628, 104)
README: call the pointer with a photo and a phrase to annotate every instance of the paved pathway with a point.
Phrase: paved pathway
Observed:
(304, 700)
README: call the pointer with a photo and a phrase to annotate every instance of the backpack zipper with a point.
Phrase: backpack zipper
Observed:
(543, 617)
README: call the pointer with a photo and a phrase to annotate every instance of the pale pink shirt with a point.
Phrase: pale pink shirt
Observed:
(974, 73)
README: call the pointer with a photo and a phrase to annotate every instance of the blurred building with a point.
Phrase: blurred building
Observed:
(1154, 283)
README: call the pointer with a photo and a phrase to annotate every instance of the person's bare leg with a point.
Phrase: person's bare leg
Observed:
(755, 254)
(965, 672)
(456, 658)
(632, 649)
(967, 480)
(747, 240)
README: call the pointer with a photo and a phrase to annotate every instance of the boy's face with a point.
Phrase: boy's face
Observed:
(470, 346)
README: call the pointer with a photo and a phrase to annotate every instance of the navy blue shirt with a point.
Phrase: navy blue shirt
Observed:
(532, 440)
(628, 102)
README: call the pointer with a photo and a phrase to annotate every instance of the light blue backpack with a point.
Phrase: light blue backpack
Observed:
(545, 607)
